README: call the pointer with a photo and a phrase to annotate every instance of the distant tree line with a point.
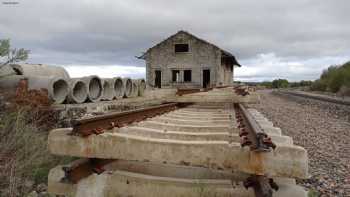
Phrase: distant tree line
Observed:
(284, 83)
(333, 79)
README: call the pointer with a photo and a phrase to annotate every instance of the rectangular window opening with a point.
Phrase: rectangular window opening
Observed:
(187, 75)
(181, 48)
(175, 75)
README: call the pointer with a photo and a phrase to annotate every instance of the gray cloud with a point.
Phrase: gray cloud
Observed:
(113, 32)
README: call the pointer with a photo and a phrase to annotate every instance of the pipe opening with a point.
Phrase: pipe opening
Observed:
(95, 88)
(17, 71)
(142, 87)
(80, 91)
(128, 88)
(60, 90)
(118, 87)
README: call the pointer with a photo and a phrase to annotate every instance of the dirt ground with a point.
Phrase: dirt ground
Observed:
(323, 129)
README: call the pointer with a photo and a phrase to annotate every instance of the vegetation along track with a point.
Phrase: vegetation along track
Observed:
(178, 150)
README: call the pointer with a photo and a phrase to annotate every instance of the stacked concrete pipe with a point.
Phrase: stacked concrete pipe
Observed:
(108, 89)
(95, 88)
(78, 91)
(142, 87)
(135, 88)
(40, 70)
(118, 87)
(9, 84)
(127, 87)
(57, 87)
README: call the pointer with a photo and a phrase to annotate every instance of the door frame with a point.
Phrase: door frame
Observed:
(208, 84)
(155, 78)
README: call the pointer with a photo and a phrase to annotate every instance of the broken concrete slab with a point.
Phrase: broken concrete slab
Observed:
(284, 161)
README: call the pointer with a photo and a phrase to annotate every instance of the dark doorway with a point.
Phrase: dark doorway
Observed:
(175, 75)
(158, 79)
(206, 78)
(187, 75)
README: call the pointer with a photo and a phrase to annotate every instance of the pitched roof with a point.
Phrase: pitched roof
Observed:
(224, 52)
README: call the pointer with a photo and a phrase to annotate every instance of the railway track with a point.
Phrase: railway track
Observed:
(315, 97)
(177, 150)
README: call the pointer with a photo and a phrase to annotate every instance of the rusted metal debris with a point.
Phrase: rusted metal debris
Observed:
(241, 91)
(250, 132)
(181, 92)
(262, 186)
(84, 168)
(98, 124)
(33, 98)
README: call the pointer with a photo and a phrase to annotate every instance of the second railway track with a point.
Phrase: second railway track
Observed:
(178, 150)
(319, 97)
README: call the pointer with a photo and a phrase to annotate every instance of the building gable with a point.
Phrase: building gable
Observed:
(180, 38)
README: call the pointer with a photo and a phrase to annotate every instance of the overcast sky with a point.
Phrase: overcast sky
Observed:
(270, 38)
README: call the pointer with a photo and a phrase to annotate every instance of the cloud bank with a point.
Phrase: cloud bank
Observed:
(292, 39)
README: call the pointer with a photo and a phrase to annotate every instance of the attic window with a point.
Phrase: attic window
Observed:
(181, 48)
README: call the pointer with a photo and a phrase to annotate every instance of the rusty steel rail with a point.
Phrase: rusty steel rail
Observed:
(98, 124)
(253, 136)
(250, 132)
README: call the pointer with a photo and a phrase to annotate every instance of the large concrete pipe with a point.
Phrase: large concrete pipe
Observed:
(78, 91)
(6, 70)
(40, 70)
(9, 84)
(118, 87)
(142, 87)
(95, 88)
(57, 87)
(108, 89)
(127, 87)
(135, 88)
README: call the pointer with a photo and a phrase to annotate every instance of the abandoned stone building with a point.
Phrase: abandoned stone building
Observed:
(186, 61)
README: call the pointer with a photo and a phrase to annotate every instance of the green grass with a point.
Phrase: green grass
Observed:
(313, 193)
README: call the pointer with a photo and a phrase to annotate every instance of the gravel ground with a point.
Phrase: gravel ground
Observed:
(323, 129)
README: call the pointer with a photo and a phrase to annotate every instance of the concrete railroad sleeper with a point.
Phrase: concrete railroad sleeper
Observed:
(199, 146)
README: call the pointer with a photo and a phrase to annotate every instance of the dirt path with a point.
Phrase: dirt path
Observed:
(323, 129)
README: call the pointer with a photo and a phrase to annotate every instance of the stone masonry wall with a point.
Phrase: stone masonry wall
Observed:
(201, 56)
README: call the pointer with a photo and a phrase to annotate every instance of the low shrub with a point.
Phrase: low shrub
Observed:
(24, 157)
